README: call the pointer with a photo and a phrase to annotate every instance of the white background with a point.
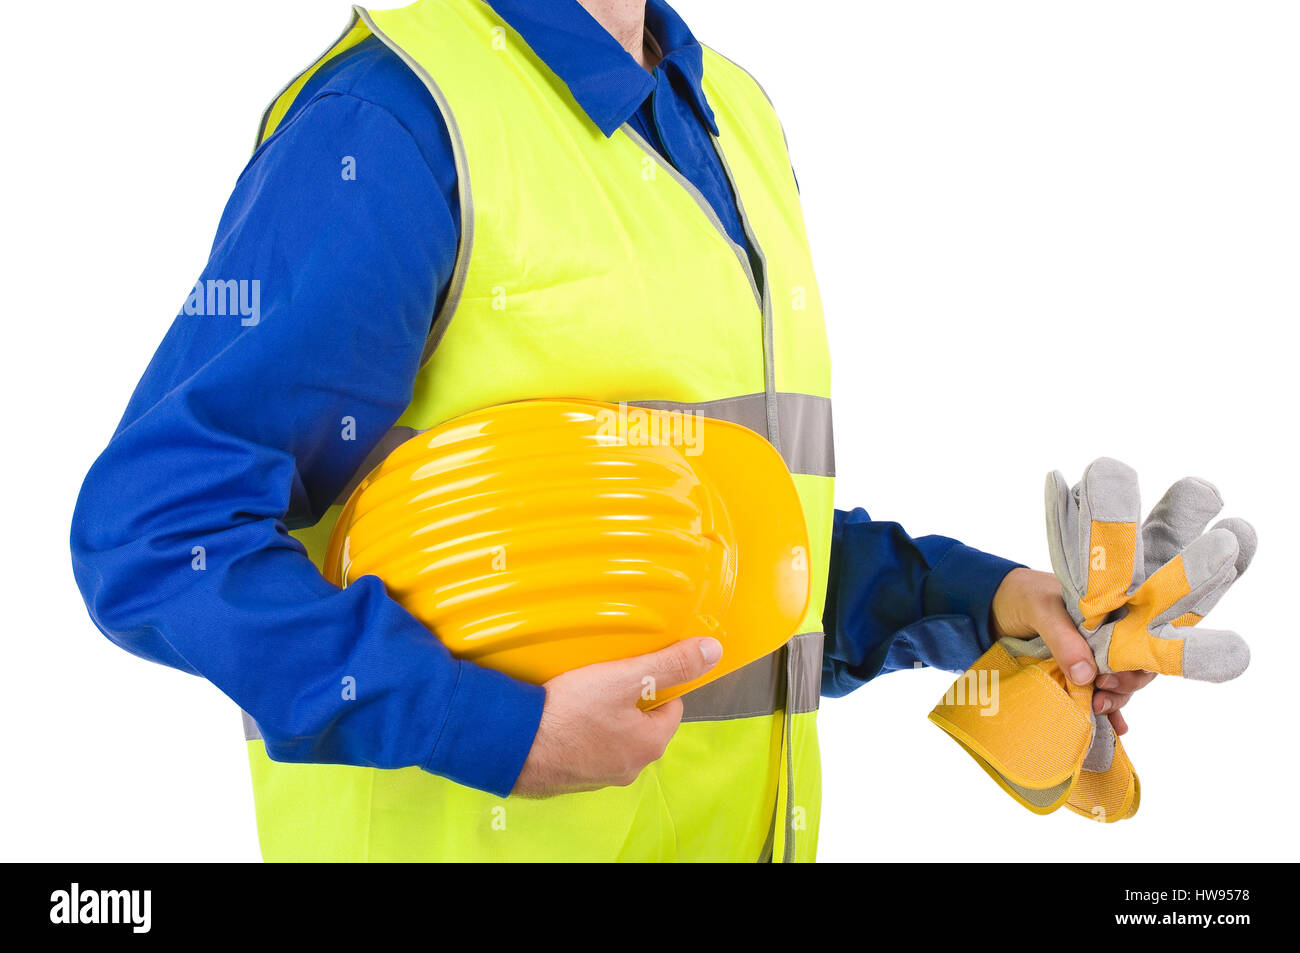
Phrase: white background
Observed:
(1044, 232)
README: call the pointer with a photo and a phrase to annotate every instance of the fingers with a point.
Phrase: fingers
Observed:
(1063, 536)
(1179, 518)
(1191, 583)
(1212, 655)
(1103, 703)
(1160, 634)
(1118, 723)
(662, 722)
(1068, 647)
(1109, 493)
(1115, 689)
(1124, 683)
(678, 664)
(1247, 541)
(1110, 508)
(666, 718)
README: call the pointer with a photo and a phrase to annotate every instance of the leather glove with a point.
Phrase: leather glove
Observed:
(1136, 593)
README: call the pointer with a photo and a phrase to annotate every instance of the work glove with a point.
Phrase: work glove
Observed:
(1136, 594)
(1181, 572)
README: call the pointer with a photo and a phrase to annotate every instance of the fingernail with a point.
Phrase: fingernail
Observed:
(711, 649)
(1106, 706)
(1106, 681)
(1081, 673)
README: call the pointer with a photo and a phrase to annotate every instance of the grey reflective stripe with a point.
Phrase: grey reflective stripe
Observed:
(805, 672)
(748, 411)
(789, 678)
(765, 855)
(760, 688)
(741, 255)
(756, 689)
(456, 286)
(773, 431)
(787, 728)
(804, 422)
(389, 442)
(803, 658)
(784, 137)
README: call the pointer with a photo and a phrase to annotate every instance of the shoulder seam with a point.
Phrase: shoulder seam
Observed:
(329, 94)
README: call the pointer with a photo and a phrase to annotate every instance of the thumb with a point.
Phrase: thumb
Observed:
(677, 664)
(1070, 649)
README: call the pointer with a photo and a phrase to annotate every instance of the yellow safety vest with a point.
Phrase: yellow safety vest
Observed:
(589, 267)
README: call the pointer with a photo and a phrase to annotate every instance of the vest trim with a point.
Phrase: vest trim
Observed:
(772, 428)
(702, 202)
(805, 652)
(787, 728)
(764, 770)
(762, 687)
(807, 416)
(754, 80)
(456, 286)
(769, 336)
(315, 64)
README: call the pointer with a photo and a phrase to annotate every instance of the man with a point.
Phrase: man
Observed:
(461, 204)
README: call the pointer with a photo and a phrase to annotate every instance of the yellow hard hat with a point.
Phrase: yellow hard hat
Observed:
(540, 536)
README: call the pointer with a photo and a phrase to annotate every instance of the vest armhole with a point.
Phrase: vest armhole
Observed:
(465, 244)
(294, 86)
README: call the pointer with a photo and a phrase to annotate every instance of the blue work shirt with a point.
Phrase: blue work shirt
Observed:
(246, 426)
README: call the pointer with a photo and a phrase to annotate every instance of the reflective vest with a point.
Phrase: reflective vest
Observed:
(589, 267)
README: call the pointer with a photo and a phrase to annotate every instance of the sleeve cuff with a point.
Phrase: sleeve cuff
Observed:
(963, 583)
(489, 730)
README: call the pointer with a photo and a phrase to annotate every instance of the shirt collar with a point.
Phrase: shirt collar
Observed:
(603, 77)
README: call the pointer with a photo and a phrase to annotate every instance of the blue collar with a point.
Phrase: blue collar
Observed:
(603, 77)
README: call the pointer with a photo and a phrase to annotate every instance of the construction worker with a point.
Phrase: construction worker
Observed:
(465, 203)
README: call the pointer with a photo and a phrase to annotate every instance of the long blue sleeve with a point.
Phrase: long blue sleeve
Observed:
(248, 424)
(893, 601)
(235, 432)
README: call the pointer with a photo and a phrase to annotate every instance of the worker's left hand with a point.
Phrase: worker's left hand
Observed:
(1029, 603)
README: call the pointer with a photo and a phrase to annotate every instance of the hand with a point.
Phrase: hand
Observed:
(593, 735)
(1029, 603)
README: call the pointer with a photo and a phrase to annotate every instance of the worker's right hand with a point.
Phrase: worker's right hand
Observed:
(593, 735)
